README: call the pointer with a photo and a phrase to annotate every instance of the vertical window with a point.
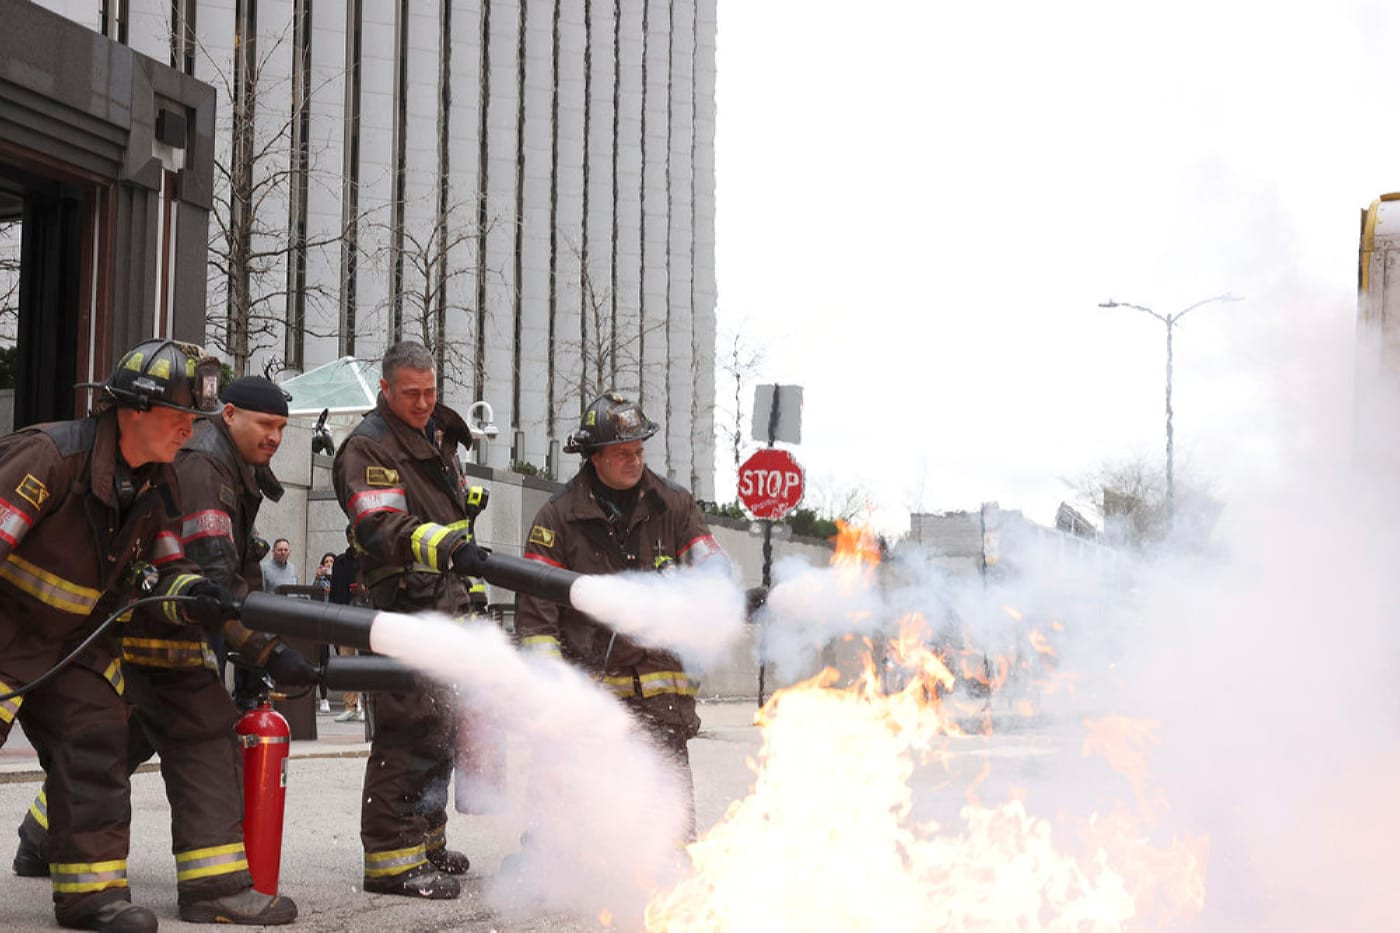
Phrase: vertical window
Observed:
(114, 15)
(294, 349)
(240, 235)
(519, 266)
(400, 172)
(349, 222)
(182, 35)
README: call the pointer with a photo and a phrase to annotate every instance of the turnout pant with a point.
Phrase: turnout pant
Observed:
(187, 716)
(404, 809)
(77, 723)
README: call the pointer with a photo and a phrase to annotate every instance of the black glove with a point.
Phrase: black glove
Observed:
(213, 602)
(469, 559)
(289, 668)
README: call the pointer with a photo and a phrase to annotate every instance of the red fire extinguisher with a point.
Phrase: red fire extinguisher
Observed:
(266, 741)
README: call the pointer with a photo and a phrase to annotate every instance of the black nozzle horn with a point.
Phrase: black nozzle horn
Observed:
(314, 621)
(531, 577)
(370, 672)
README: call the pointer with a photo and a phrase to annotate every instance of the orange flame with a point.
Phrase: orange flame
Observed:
(1124, 744)
(828, 830)
(855, 544)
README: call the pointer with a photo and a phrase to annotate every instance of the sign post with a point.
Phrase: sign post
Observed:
(770, 486)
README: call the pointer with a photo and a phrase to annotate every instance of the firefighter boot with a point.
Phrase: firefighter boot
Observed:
(449, 860)
(119, 916)
(426, 882)
(30, 861)
(249, 906)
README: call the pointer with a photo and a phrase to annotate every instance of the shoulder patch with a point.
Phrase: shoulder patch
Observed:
(381, 476)
(33, 491)
(541, 536)
(227, 496)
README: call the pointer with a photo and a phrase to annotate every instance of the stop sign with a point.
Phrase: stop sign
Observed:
(770, 483)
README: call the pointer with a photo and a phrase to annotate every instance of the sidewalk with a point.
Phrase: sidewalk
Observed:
(19, 761)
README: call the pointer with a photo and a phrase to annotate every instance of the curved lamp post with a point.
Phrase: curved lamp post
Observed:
(1169, 320)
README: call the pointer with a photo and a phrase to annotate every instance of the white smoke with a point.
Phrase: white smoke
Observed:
(695, 612)
(602, 812)
(1266, 659)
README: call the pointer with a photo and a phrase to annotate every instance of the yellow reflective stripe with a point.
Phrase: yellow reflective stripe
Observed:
(10, 708)
(394, 861)
(176, 588)
(622, 686)
(50, 589)
(80, 877)
(39, 809)
(207, 862)
(425, 541)
(436, 838)
(113, 676)
(546, 645)
(164, 652)
(659, 682)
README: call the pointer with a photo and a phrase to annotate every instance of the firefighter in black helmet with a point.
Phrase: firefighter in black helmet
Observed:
(616, 515)
(166, 373)
(89, 515)
(180, 707)
(611, 419)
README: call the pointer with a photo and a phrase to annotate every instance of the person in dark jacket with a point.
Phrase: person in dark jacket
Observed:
(180, 706)
(89, 516)
(614, 515)
(398, 479)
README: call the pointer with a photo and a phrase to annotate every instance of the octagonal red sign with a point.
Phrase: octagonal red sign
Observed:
(770, 483)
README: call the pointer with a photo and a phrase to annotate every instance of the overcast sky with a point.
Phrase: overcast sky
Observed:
(921, 205)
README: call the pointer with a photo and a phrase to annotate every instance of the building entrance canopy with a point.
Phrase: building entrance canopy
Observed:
(345, 386)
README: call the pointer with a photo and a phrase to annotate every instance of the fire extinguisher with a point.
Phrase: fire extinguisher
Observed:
(265, 739)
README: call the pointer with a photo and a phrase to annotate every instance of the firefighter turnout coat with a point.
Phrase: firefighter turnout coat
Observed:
(79, 532)
(406, 497)
(573, 531)
(179, 699)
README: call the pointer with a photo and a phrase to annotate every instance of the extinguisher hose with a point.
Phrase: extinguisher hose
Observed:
(86, 643)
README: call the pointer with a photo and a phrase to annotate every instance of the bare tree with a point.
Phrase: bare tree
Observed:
(426, 251)
(1130, 497)
(253, 300)
(605, 352)
(739, 359)
(10, 232)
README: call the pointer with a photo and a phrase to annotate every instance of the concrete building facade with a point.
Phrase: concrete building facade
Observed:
(527, 186)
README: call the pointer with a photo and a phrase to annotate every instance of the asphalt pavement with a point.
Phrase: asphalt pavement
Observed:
(321, 858)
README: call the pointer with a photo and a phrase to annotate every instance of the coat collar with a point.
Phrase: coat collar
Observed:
(582, 505)
(451, 431)
(257, 481)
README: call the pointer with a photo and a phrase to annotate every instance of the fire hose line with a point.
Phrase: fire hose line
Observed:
(86, 643)
(337, 624)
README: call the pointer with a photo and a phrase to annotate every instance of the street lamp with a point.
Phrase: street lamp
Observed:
(1169, 320)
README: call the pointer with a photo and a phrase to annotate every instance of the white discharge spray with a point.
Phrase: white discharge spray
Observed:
(695, 612)
(591, 846)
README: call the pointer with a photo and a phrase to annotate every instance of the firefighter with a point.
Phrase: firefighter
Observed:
(398, 479)
(180, 706)
(87, 508)
(614, 515)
